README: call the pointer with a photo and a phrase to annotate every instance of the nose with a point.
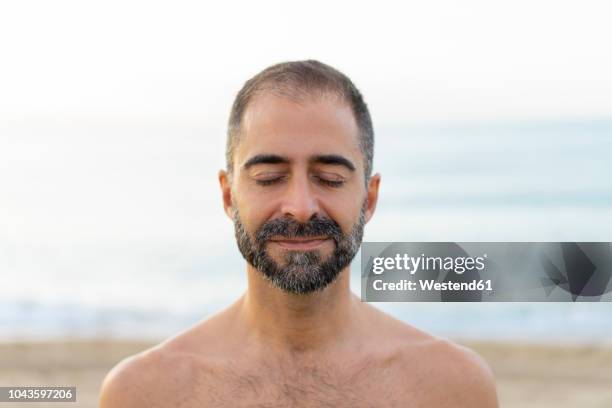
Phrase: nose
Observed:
(298, 201)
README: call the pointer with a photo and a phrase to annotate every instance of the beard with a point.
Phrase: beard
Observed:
(302, 272)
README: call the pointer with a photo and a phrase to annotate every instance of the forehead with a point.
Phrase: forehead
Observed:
(298, 129)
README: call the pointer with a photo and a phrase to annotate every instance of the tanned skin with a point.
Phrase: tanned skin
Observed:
(324, 349)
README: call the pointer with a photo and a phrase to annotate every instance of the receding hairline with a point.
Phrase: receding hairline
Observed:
(301, 99)
(295, 91)
(300, 95)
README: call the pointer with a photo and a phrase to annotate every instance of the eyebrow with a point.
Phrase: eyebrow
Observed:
(265, 159)
(333, 159)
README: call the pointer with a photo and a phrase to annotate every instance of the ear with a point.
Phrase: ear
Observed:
(226, 192)
(372, 196)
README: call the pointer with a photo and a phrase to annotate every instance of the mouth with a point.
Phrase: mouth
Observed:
(298, 244)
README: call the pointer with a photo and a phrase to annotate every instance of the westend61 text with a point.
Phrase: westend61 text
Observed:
(430, 284)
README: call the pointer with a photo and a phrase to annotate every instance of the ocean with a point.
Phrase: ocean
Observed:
(116, 229)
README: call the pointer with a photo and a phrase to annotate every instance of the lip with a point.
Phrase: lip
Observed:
(300, 244)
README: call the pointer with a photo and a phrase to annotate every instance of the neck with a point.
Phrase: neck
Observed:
(299, 323)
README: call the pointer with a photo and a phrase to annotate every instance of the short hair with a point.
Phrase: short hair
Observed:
(296, 79)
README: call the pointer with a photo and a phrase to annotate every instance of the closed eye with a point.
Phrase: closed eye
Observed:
(331, 183)
(269, 182)
(324, 181)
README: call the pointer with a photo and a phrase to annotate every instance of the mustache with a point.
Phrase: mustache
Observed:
(289, 228)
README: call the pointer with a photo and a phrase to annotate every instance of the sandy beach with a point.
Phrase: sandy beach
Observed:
(528, 376)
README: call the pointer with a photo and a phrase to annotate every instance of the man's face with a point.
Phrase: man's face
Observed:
(298, 195)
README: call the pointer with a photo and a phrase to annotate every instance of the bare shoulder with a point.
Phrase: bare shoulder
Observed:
(163, 375)
(129, 383)
(463, 375)
(444, 373)
(148, 379)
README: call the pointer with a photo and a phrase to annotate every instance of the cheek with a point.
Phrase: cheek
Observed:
(350, 213)
(253, 212)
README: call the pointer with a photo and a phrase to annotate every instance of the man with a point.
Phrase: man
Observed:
(299, 189)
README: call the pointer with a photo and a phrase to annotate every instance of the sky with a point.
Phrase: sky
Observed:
(415, 61)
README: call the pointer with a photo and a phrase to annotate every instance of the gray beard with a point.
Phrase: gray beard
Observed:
(303, 272)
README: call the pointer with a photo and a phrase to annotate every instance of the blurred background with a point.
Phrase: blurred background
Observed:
(493, 122)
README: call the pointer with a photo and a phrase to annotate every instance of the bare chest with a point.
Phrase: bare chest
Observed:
(313, 385)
